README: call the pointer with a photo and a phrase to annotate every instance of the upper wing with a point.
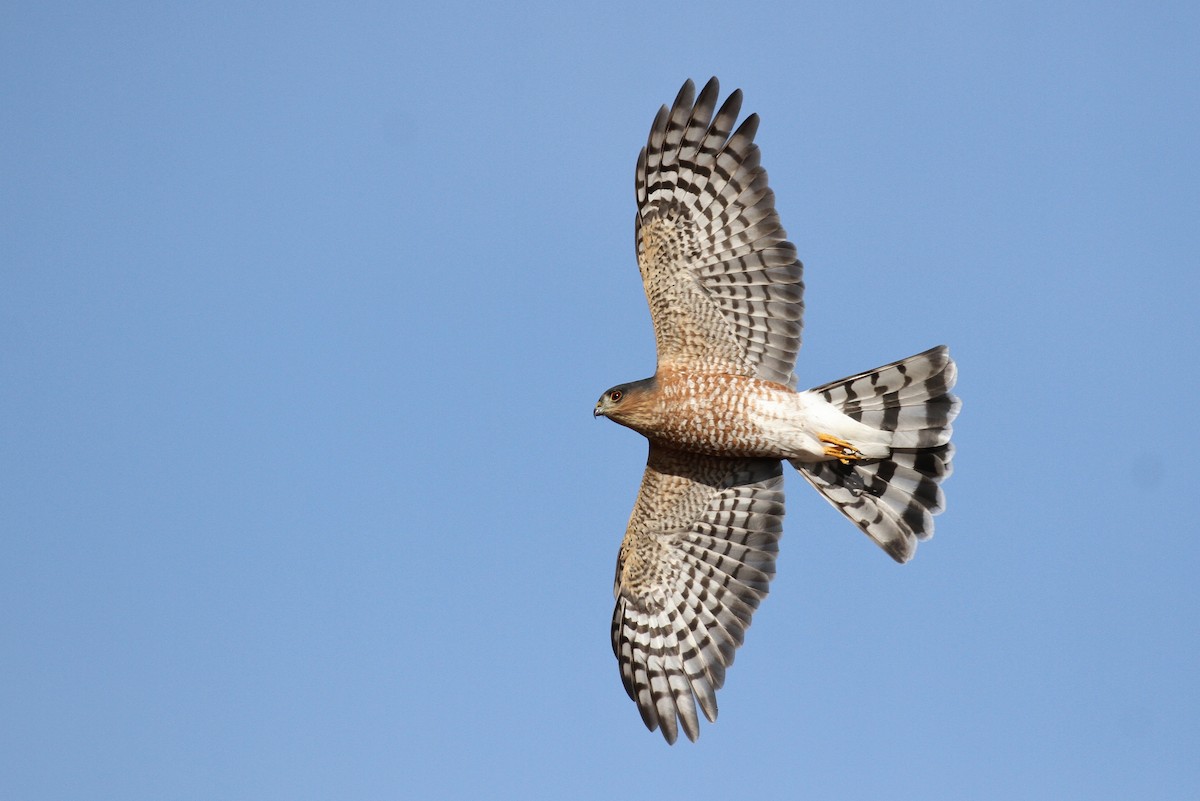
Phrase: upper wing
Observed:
(696, 560)
(723, 282)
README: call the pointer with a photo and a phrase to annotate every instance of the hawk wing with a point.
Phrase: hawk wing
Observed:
(695, 562)
(723, 283)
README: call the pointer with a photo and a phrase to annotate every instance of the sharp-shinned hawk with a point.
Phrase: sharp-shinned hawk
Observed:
(722, 410)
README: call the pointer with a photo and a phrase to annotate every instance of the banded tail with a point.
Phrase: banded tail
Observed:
(893, 500)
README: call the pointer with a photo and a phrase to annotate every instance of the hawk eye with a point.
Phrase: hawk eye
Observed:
(615, 395)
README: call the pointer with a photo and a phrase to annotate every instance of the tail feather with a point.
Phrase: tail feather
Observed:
(912, 394)
(893, 500)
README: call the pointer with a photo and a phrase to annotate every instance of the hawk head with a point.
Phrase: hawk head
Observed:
(621, 403)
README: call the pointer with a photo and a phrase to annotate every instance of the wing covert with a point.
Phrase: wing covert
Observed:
(723, 282)
(697, 558)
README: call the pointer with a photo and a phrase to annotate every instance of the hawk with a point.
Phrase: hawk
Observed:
(722, 412)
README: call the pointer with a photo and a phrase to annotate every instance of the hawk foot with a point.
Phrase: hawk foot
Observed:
(840, 449)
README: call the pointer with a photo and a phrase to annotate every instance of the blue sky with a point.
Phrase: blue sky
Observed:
(305, 308)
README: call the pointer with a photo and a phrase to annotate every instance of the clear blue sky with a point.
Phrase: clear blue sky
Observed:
(304, 308)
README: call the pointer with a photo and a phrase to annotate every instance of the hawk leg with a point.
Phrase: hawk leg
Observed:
(839, 449)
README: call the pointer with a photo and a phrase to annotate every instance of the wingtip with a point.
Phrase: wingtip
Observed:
(687, 94)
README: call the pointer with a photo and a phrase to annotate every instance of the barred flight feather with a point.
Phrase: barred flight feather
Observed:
(711, 246)
(675, 629)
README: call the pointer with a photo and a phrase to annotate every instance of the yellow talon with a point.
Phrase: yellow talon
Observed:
(840, 449)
